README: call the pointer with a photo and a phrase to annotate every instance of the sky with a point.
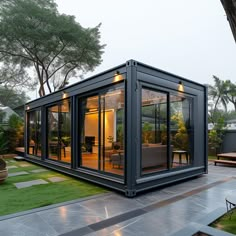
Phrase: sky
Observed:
(186, 37)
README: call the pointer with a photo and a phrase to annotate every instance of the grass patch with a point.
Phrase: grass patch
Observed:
(225, 223)
(14, 200)
(210, 158)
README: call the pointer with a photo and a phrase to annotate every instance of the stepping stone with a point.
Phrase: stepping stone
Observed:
(38, 170)
(12, 161)
(30, 183)
(19, 158)
(12, 167)
(18, 173)
(24, 165)
(56, 179)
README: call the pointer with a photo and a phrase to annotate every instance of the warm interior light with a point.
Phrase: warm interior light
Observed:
(118, 77)
(64, 95)
(181, 87)
(93, 109)
(27, 108)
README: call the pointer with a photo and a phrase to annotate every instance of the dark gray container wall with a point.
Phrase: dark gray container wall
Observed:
(160, 80)
(135, 75)
(229, 141)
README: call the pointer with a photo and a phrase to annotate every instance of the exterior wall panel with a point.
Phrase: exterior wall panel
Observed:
(135, 75)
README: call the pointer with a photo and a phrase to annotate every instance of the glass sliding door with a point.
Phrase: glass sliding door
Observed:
(58, 132)
(102, 131)
(154, 131)
(181, 127)
(34, 133)
(112, 131)
(89, 137)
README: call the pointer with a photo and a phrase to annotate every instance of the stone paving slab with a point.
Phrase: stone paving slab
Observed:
(38, 170)
(24, 165)
(18, 173)
(12, 167)
(19, 158)
(30, 183)
(105, 215)
(56, 179)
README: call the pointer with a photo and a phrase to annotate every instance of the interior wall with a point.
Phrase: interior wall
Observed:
(91, 126)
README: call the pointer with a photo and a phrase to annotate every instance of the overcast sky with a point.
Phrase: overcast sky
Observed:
(186, 37)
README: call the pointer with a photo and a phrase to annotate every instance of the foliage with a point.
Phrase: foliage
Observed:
(221, 93)
(163, 134)
(34, 36)
(226, 223)
(3, 142)
(12, 135)
(181, 139)
(11, 97)
(215, 136)
(217, 94)
(231, 93)
(2, 116)
(147, 132)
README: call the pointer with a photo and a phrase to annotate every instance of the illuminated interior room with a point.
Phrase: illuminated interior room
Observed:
(131, 128)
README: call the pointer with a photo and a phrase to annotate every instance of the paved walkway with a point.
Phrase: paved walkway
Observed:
(164, 211)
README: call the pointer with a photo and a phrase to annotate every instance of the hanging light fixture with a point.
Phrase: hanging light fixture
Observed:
(181, 86)
(118, 77)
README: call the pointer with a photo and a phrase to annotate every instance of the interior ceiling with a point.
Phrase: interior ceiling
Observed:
(230, 9)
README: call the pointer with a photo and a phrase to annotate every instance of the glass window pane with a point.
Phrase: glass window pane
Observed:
(181, 131)
(65, 131)
(34, 133)
(53, 142)
(154, 131)
(102, 131)
(112, 131)
(59, 132)
(89, 135)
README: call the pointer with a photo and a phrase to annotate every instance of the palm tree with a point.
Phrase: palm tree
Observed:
(231, 93)
(218, 93)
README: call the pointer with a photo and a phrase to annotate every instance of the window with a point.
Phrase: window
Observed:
(102, 131)
(59, 132)
(34, 133)
(181, 128)
(159, 153)
(154, 131)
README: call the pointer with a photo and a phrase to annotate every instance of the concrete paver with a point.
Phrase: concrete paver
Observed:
(114, 214)
(56, 179)
(12, 167)
(38, 170)
(27, 184)
(18, 173)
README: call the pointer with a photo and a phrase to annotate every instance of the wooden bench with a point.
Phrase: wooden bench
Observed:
(225, 162)
(230, 156)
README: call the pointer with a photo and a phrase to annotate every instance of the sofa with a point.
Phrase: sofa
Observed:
(154, 155)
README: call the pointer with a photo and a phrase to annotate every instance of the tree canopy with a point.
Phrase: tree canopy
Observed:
(222, 93)
(12, 98)
(34, 36)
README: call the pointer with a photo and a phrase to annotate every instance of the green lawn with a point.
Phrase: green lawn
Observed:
(14, 200)
(226, 224)
(210, 158)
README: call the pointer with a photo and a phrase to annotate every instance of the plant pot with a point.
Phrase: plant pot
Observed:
(3, 175)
